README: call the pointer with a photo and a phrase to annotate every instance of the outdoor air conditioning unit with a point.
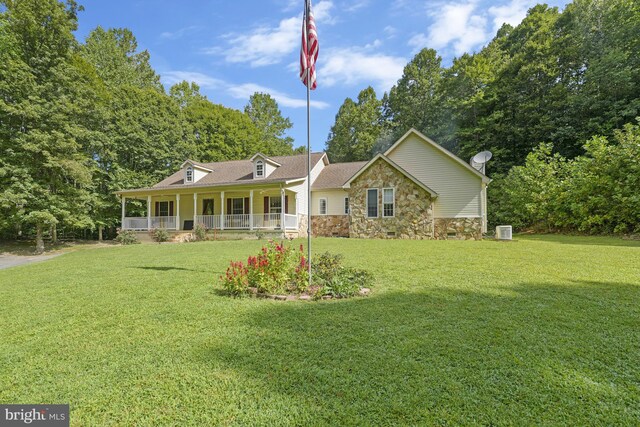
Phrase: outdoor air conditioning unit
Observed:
(503, 232)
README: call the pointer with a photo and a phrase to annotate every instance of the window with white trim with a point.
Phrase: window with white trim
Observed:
(189, 174)
(275, 205)
(322, 207)
(372, 203)
(388, 202)
(346, 206)
(259, 169)
(237, 206)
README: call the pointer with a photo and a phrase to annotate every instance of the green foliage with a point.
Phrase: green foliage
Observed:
(113, 53)
(417, 99)
(41, 219)
(81, 121)
(277, 269)
(263, 111)
(160, 235)
(335, 279)
(593, 193)
(357, 128)
(200, 231)
(127, 237)
(219, 133)
(559, 77)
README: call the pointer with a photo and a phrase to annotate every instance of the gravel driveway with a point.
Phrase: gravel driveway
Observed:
(7, 261)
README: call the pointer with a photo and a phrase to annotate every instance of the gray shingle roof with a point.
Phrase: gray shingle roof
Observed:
(336, 175)
(241, 172)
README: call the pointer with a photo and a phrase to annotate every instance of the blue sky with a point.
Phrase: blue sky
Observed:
(235, 48)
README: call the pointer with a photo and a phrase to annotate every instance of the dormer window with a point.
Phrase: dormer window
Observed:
(259, 169)
(189, 174)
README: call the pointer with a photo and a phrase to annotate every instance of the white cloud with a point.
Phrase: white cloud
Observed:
(512, 13)
(454, 25)
(244, 91)
(462, 26)
(240, 91)
(204, 81)
(390, 31)
(356, 66)
(356, 5)
(267, 45)
(174, 35)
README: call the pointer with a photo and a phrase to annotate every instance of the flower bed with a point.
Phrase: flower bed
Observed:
(281, 272)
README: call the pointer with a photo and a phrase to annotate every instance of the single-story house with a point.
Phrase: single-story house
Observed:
(414, 190)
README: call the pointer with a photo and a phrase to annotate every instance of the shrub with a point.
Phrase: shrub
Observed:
(279, 269)
(236, 280)
(336, 279)
(276, 269)
(127, 237)
(160, 235)
(593, 193)
(200, 231)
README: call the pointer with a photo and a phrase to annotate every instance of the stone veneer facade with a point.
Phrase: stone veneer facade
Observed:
(330, 225)
(302, 225)
(458, 228)
(413, 214)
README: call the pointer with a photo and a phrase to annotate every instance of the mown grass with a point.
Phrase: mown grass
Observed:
(539, 331)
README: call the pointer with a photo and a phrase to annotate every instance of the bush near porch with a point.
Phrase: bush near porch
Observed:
(539, 331)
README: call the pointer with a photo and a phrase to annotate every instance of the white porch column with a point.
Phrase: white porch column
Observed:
(222, 210)
(195, 209)
(177, 212)
(148, 212)
(282, 208)
(251, 210)
(123, 200)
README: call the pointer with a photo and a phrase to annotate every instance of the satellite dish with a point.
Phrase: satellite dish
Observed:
(477, 166)
(479, 160)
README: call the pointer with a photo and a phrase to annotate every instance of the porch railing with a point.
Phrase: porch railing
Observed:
(135, 223)
(290, 221)
(168, 222)
(209, 221)
(142, 223)
(246, 221)
(236, 221)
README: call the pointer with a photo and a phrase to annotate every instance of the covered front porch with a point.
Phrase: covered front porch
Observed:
(264, 209)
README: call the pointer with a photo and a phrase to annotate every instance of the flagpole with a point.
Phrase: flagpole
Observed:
(306, 11)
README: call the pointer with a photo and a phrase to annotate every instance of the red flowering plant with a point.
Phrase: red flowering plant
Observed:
(236, 280)
(277, 269)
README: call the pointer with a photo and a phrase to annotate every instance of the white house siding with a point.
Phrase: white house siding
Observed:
(301, 199)
(198, 174)
(301, 189)
(335, 201)
(268, 169)
(458, 188)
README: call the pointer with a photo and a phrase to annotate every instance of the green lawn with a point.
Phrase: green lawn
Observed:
(538, 331)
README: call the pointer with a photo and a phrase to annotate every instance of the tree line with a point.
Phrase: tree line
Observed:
(559, 78)
(80, 120)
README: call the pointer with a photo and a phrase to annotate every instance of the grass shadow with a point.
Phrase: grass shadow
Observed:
(535, 354)
(165, 268)
(579, 240)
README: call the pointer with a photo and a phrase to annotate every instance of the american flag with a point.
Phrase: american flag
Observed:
(309, 48)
